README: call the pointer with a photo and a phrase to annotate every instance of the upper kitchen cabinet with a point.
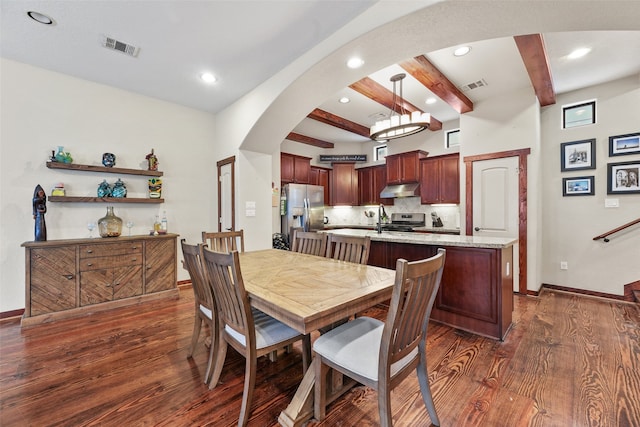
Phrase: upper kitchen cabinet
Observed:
(320, 176)
(371, 181)
(404, 168)
(344, 184)
(440, 179)
(294, 169)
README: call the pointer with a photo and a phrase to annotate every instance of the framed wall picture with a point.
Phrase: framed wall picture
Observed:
(621, 145)
(622, 178)
(578, 155)
(578, 186)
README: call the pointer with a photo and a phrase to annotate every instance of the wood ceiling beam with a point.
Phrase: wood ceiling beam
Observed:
(380, 94)
(339, 122)
(427, 74)
(534, 56)
(296, 137)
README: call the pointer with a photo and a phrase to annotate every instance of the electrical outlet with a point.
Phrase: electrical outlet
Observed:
(564, 265)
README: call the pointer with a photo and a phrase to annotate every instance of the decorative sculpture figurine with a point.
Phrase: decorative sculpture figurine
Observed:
(39, 209)
(104, 190)
(109, 160)
(155, 188)
(119, 189)
(153, 161)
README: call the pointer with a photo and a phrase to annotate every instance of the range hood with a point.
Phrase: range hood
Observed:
(400, 190)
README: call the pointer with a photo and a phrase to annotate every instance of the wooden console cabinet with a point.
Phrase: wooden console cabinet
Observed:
(67, 278)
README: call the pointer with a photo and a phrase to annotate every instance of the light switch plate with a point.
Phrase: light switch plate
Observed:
(611, 203)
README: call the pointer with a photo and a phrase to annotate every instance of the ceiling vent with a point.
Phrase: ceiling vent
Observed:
(474, 85)
(111, 43)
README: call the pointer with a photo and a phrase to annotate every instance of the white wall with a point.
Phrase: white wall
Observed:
(570, 223)
(509, 122)
(41, 110)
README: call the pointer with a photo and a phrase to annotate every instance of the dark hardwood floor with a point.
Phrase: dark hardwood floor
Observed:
(569, 360)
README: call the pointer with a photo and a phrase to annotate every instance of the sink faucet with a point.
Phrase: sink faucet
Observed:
(381, 212)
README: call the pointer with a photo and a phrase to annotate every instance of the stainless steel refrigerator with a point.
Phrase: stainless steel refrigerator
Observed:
(302, 207)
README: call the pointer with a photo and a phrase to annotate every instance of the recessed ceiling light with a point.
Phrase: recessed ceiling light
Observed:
(40, 17)
(344, 100)
(208, 78)
(430, 101)
(355, 63)
(461, 51)
(579, 53)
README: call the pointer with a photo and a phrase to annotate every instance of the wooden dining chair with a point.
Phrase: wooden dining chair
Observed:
(348, 248)
(309, 242)
(381, 354)
(250, 333)
(205, 306)
(224, 241)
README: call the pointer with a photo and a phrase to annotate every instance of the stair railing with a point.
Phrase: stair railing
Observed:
(605, 236)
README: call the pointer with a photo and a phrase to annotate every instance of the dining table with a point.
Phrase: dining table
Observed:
(310, 293)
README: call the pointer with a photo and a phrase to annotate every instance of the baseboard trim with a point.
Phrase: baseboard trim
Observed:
(184, 284)
(11, 313)
(584, 292)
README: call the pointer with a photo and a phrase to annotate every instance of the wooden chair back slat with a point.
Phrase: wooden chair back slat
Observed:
(348, 248)
(414, 293)
(223, 270)
(224, 241)
(308, 242)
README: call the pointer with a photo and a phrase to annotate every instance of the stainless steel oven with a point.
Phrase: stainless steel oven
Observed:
(405, 222)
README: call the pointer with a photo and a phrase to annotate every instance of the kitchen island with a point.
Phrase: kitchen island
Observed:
(476, 292)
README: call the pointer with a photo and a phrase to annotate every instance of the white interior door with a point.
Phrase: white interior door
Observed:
(225, 201)
(495, 202)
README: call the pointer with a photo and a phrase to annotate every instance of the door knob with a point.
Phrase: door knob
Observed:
(477, 228)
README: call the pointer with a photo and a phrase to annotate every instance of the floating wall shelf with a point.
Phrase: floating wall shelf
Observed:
(103, 169)
(88, 199)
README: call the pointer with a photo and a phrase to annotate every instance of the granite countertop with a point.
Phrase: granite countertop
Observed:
(429, 238)
(425, 229)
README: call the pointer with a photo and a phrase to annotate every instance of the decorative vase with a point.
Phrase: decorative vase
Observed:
(119, 189)
(110, 225)
(60, 156)
(104, 189)
(109, 160)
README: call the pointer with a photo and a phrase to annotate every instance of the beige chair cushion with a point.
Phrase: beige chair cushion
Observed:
(269, 331)
(355, 345)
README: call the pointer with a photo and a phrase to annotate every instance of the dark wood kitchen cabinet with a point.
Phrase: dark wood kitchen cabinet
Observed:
(68, 278)
(404, 168)
(344, 185)
(476, 292)
(320, 176)
(294, 169)
(371, 181)
(440, 179)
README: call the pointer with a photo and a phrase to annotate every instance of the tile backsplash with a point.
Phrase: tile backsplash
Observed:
(342, 215)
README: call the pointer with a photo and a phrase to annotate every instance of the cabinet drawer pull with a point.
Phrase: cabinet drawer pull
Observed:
(89, 251)
(148, 267)
(89, 264)
(134, 247)
(134, 259)
(69, 276)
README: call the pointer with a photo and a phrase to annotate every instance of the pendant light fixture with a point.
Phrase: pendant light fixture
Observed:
(399, 123)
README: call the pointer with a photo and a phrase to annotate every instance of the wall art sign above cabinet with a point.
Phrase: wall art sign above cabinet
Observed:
(328, 158)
